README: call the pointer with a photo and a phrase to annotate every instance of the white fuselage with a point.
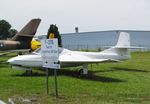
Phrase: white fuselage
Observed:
(35, 60)
(69, 58)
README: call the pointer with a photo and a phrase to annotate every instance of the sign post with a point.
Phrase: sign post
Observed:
(50, 58)
(47, 84)
(56, 84)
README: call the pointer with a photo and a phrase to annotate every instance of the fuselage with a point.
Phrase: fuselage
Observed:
(13, 45)
(35, 60)
(68, 58)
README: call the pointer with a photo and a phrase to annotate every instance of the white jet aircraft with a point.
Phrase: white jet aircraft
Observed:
(68, 58)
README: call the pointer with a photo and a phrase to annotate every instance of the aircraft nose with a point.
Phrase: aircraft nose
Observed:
(11, 61)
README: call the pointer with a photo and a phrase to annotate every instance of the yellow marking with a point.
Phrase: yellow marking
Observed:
(35, 45)
(51, 35)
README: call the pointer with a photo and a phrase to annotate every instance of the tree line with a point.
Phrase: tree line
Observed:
(5, 30)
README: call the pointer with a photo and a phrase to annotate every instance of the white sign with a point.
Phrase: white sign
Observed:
(50, 53)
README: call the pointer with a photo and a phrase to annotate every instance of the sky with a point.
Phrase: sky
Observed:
(87, 15)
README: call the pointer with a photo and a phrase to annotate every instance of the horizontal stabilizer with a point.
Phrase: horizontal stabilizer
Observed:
(25, 35)
(131, 47)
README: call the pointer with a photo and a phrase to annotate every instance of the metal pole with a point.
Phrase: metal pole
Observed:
(47, 84)
(56, 84)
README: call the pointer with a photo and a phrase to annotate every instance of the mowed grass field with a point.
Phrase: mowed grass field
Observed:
(114, 83)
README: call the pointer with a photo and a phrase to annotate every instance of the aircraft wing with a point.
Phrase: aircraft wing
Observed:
(19, 50)
(77, 58)
(3, 53)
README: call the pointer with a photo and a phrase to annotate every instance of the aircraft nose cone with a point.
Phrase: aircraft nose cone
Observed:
(11, 61)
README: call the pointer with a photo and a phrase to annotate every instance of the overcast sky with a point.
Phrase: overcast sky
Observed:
(88, 15)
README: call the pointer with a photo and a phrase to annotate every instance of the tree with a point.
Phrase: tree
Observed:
(4, 29)
(54, 29)
(12, 32)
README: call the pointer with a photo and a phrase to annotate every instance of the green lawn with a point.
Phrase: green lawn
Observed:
(115, 83)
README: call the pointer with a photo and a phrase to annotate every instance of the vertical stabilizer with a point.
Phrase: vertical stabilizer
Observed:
(28, 31)
(122, 47)
(124, 40)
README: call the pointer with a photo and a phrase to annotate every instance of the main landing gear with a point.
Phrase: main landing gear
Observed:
(28, 72)
(20, 53)
(84, 70)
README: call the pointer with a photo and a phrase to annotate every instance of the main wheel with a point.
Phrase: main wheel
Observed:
(29, 72)
(80, 72)
(20, 53)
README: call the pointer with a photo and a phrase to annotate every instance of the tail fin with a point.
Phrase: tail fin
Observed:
(122, 47)
(28, 31)
(123, 41)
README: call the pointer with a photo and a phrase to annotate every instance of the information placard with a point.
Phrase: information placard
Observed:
(50, 53)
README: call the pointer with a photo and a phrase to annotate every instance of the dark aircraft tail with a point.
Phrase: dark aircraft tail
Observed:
(28, 31)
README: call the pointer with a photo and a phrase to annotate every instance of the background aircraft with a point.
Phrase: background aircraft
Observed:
(22, 40)
(68, 58)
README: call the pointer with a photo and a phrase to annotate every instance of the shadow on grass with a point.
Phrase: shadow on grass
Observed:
(128, 69)
(3, 64)
(120, 69)
(91, 76)
(71, 73)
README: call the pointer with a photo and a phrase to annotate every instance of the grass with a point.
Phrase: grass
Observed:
(115, 83)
